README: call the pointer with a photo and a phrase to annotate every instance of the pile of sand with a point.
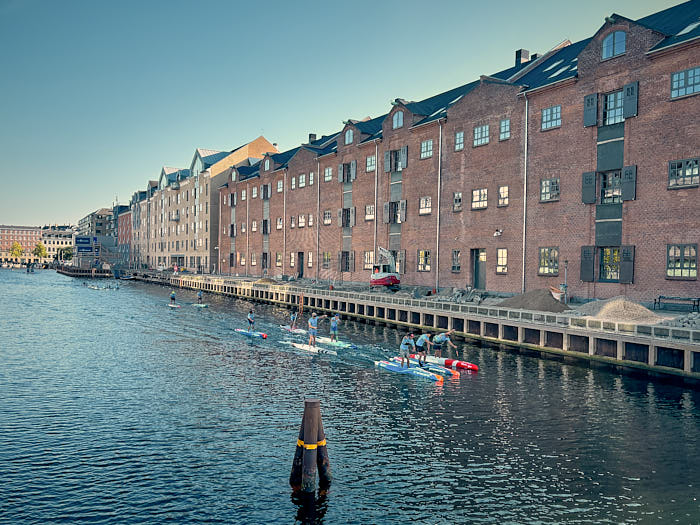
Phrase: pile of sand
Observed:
(265, 280)
(619, 309)
(540, 300)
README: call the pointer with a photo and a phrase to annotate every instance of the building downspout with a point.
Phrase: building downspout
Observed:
(376, 194)
(522, 287)
(247, 229)
(284, 221)
(437, 234)
(318, 211)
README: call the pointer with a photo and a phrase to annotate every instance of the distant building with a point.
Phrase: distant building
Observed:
(96, 223)
(124, 236)
(56, 239)
(27, 236)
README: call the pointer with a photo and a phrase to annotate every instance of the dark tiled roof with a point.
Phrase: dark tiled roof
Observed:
(370, 127)
(559, 66)
(673, 20)
(283, 158)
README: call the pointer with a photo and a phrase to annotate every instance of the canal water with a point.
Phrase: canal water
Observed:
(117, 409)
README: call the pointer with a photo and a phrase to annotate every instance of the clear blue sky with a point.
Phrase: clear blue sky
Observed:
(97, 96)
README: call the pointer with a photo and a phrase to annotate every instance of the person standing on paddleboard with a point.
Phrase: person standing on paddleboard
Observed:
(440, 340)
(199, 296)
(293, 319)
(251, 321)
(313, 328)
(172, 296)
(423, 341)
(334, 327)
(407, 344)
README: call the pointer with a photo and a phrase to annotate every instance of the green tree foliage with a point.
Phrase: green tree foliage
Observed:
(16, 250)
(40, 250)
(66, 253)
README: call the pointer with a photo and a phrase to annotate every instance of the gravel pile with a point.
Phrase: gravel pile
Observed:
(691, 321)
(619, 309)
(540, 300)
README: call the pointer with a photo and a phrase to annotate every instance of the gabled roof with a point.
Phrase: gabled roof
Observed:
(282, 159)
(248, 172)
(680, 23)
(559, 66)
(210, 156)
(371, 126)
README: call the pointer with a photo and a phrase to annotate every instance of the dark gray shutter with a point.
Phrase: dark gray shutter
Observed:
(608, 233)
(417, 259)
(387, 161)
(587, 263)
(402, 261)
(340, 261)
(629, 183)
(352, 216)
(629, 104)
(340, 216)
(353, 170)
(385, 217)
(588, 195)
(352, 261)
(403, 157)
(590, 110)
(402, 210)
(627, 264)
(340, 173)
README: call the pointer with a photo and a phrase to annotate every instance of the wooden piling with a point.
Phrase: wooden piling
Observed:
(311, 452)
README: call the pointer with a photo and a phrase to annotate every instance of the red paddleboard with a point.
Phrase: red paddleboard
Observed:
(449, 363)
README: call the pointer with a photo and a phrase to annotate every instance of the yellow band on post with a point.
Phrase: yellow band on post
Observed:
(311, 446)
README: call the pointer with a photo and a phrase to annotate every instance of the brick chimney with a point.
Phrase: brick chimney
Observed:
(521, 56)
(312, 137)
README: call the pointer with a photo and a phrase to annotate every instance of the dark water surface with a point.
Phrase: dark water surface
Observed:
(115, 409)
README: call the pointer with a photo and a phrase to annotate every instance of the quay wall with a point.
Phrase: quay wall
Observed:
(657, 350)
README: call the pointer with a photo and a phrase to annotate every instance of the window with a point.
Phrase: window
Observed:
(685, 82)
(682, 261)
(612, 108)
(310, 259)
(479, 198)
(549, 189)
(242, 259)
(505, 129)
(294, 183)
(456, 262)
(683, 173)
(423, 260)
(267, 164)
(502, 196)
(253, 259)
(611, 187)
(279, 223)
(397, 120)
(302, 221)
(347, 261)
(291, 259)
(481, 135)
(311, 220)
(425, 206)
(549, 261)
(292, 221)
(457, 201)
(551, 117)
(609, 265)
(327, 217)
(243, 195)
(371, 163)
(278, 259)
(614, 44)
(368, 260)
(280, 186)
(426, 149)
(348, 137)
(302, 180)
(326, 260)
(253, 228)
(459, 141)
(242, 228)
(501, 260)
(254, 192)
(369, 212)
(327, 174)
(311, 178)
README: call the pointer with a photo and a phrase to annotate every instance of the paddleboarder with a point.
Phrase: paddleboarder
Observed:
(440, 340)
(251, 321)
(407, 347)
(199, 296)
(172, 296)
(313, 328)
(421, 343)
(293, 320)
(334, 327)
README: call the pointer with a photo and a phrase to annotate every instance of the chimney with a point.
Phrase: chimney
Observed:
(521, 56)
(312, 137)
(534, 57)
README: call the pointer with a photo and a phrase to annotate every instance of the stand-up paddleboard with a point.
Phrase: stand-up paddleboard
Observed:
(289, 329)
(339, 344)
(414, 371)
(201, 305)
(314, 349)
(431, 367)
(449, 363)
(251, 333)
(171, 305)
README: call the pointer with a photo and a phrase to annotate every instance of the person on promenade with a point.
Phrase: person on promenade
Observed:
(421, 343)
(407, 344)
(440, 340)
(313, 328)
(172, 296)
(251, 321)
(334, 327)
(199, 296)
(293, 319)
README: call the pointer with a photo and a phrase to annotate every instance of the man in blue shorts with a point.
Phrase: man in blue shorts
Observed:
(251, 321)
(334, 327)
(313, 328)
(172, 296)
(423, 341)
(440, 340)
(293, 318)
(407, 346)
(199, 296)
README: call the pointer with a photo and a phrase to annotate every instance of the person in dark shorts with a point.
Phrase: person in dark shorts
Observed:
(251, 321)
(423, 344)
(440, 340)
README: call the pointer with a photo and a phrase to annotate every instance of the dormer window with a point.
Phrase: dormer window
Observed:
(267, 164)
(614, 44)
(348, 137)
(397, 120)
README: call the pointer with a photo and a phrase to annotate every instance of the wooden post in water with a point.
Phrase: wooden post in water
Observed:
(311, 452)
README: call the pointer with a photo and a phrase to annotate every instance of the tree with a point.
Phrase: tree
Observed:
(40, 250)
(66, 253)
(16, 250)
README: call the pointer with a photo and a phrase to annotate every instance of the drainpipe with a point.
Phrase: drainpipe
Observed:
(247, 229)
(318, 211)
(437, 234)
(284, 221)
(525, 194)
(376, 182)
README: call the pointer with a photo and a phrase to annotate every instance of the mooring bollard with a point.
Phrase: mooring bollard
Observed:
(311, 452)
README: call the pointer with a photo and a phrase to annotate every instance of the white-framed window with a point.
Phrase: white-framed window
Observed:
(456, 261)
(685, 82)
(505, 129)
(480, 198)
(302, 220)
(457, 201)
(279, 223)
(278, 259)
(310, 259)
(481, 135)
(348, 136)
(368, 260)
(302, 180)
(292, 221)
(254, 192)
(311, 178)
(327, 217)
(397, 120)
(614, 44)
(369, 212)
(425, 206)
(426, 149)
(242, 228)
(612, 108)
(267, 164)
(253, 259)
(280, 186)
(243, 195)
(311, 220)
(242, 259)
(327, 174)
(502, 196)
(501, 260)
(423, 260)
(371, 163)
(253, 228)
(551, 117)
(294, 183)
(291, 259)
(459, 141)
(326, 260)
